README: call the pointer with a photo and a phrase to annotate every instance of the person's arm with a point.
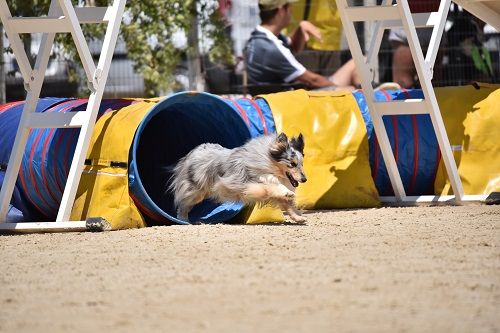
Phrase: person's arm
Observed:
(314, 80)
(302, 34)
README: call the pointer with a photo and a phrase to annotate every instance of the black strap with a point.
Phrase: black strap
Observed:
(113, 164)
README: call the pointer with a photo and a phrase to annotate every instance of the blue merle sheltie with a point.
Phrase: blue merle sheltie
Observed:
(266, 169)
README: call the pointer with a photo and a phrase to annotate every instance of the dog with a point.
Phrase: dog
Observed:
(265, 170)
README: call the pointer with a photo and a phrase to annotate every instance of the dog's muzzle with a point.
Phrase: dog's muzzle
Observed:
(292, 180)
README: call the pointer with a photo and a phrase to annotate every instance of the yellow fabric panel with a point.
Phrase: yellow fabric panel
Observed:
(103, 190)
(336, 147)
(324, 15)
(258, 214)
(472, 120)
(265, 214)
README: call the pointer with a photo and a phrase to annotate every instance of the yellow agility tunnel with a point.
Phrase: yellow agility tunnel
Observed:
(126, 171)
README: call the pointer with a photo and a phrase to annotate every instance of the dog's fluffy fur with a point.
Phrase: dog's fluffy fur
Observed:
(266, 169)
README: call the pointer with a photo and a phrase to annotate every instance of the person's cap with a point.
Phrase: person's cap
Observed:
(273, 4)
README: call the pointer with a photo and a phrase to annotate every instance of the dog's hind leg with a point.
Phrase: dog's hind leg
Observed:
(182, 214)
(187, 204)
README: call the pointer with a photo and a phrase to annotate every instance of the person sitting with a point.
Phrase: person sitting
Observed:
(269, 55)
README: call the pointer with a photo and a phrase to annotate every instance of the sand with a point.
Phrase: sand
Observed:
(392, 269)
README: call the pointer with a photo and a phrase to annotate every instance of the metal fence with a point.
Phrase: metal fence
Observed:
(455, 66)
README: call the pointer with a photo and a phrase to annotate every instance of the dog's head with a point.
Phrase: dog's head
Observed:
(289, 157)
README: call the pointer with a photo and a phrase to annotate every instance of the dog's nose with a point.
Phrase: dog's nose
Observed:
(303, 179)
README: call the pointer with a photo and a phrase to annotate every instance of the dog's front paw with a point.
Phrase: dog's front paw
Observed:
(287, 199)
(298, 218)
(289, 196)
(295, 215)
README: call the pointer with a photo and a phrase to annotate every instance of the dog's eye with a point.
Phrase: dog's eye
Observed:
(292, 165)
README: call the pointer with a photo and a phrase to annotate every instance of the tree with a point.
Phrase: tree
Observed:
(153, 32)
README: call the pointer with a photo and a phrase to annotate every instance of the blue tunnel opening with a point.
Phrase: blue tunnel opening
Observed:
(167, 133)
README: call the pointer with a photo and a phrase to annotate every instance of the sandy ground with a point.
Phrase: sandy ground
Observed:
(411, 269)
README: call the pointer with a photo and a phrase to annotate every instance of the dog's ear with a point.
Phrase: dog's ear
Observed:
(279, 147)
(282, 138)
(298, 143)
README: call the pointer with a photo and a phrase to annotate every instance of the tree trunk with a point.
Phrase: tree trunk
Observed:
(193, 56)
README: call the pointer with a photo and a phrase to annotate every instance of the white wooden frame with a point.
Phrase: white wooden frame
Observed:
(399, 15)
(486, 10)
(63, 18)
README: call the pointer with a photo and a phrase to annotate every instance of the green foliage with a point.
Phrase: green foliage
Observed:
(147, 29)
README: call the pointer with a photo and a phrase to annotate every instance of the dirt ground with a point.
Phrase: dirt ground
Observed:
(398, 269)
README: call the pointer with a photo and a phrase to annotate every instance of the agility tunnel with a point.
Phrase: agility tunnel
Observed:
(413, 143)
(471, 117)
(171, 129)
(20, 208)
(45, 163)
(137, 142)
(344, 159)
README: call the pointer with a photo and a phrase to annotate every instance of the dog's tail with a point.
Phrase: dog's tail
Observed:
(173, 170)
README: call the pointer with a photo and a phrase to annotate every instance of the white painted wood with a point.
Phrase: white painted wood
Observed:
(409, 106)
(34, 84)
(486, 10)
(42, 24)
(437, 33)
(435, 198)
(371, 13)
(80, 42)
(44, 226)
(100, 78)
(366, 84)
(61, 16)
(56, 120)
(393, 16)
(60, 24)
(374, 44)
(425, 76)
(15, 42)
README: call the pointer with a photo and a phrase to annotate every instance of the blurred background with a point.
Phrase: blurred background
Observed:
(202, 47)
